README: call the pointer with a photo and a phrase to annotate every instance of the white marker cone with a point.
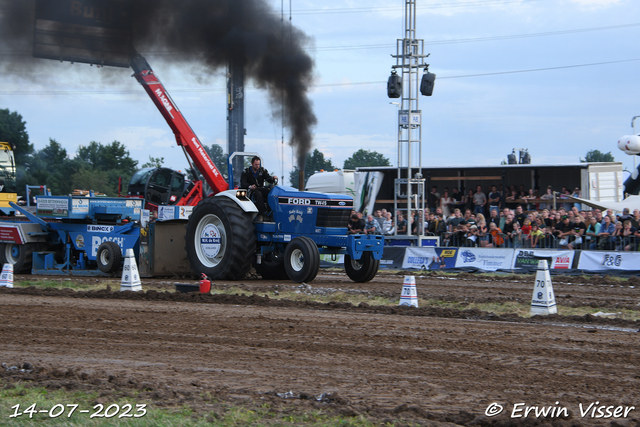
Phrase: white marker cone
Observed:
(543, 301)
(130, 276)
(409, 292)
(6, 277)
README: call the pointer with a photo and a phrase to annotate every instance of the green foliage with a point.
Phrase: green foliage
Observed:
(49, 166)
(154, 162)
(14, 131)
(108, 157)
(362, 158)
(218, 157)
(595, 156)
(96, 167)
(314, 163)
(90, 179)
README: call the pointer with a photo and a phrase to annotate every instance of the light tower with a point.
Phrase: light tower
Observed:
(410, 58)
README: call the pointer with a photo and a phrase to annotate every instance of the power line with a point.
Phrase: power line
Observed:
(539, 69)
(489, 74)
(191, 90)
(390, 45)
(482, 39)
(467, 4)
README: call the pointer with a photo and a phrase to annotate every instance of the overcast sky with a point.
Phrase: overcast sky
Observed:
(487, 100)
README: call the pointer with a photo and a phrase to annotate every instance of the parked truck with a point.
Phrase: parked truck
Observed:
(8, 187)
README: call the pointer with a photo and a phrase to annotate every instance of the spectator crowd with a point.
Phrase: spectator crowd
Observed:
(522, 219)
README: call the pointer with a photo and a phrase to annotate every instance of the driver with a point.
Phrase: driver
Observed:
(253, 178)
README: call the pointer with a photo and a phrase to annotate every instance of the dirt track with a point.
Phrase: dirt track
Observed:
(444, 366)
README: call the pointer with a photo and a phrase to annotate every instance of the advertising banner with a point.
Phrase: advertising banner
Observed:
(429, 258)
(527, 258)
(490, 259)
(605, 260)
(392, 257)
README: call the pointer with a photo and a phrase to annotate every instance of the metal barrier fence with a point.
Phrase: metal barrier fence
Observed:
(545, 241)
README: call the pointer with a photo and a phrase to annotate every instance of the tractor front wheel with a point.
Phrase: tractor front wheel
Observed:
(302, 259)
(362, 270)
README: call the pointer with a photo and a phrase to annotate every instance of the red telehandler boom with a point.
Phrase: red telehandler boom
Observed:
(185, 137)
(220, 233)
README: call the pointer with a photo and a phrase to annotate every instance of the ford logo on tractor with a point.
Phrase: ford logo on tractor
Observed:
(299, 201)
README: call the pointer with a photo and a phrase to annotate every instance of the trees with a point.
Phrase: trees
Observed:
(218, 157)
(314, 162)
(108, 157)
(362, 158)
(95, 167)
(108, 162)
(154, 162)
(50, 166)
(594, 156)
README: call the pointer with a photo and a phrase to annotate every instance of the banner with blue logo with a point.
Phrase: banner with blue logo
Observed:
(490, 259)
(429, 258)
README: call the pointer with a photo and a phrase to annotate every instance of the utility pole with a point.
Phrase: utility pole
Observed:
(235, 100)
(410, 58)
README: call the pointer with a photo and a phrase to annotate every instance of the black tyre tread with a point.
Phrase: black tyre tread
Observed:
(241, 238)
(116, 257)
(316, 259)
(308, 265)
(368, 270)
(23, 263)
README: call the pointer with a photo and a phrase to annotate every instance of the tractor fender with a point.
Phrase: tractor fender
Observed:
(245, 205)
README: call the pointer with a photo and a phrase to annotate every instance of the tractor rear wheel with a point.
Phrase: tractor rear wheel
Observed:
(220, 239)
(362, 270)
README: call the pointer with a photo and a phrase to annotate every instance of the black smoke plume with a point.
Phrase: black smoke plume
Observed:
(204, 32)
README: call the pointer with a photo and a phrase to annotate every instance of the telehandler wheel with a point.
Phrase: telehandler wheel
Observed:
(220, 239)
(18, 255)
(302, 259)
(361, 270)
(272, 267)
(109, 257)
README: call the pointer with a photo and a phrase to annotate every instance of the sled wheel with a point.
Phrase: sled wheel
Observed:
(18, 255)
(109, 257)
